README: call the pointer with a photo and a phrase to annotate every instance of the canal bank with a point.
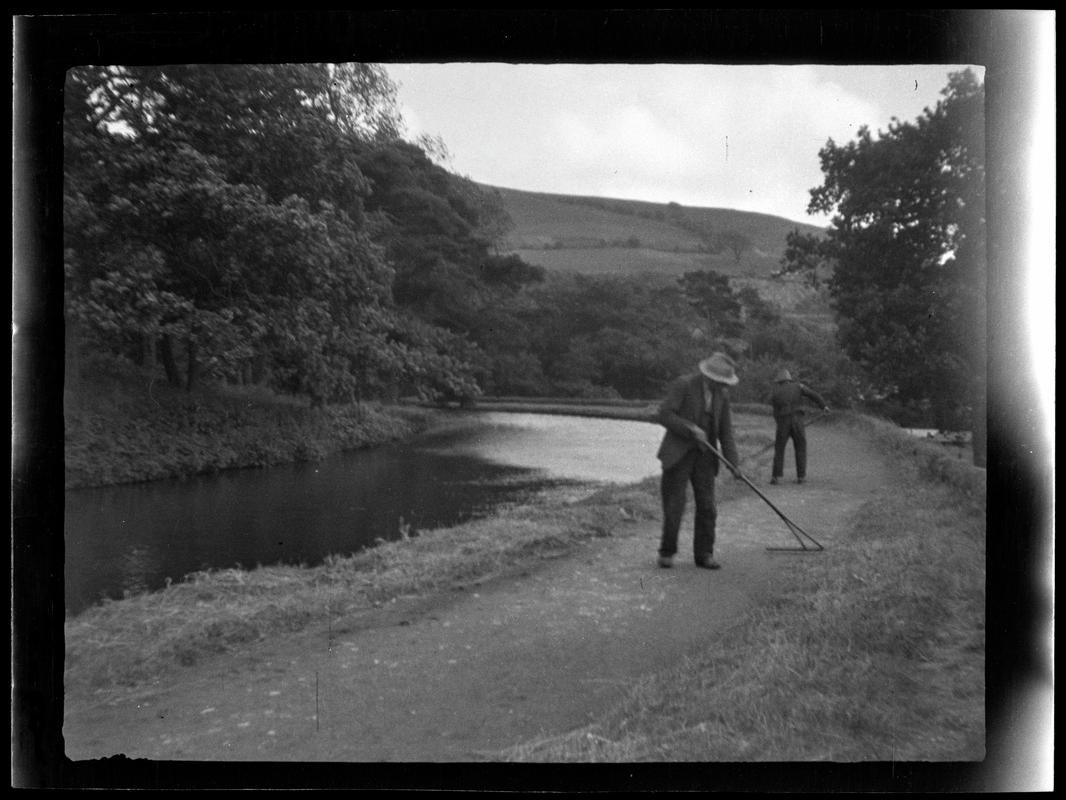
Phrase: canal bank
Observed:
(212, 611)
(132, 538)
(125, 429)
(548, 633)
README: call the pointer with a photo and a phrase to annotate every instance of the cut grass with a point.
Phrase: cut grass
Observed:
(873, 653)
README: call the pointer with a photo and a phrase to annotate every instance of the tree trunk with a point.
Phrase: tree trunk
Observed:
(166, 356)
(192, 369)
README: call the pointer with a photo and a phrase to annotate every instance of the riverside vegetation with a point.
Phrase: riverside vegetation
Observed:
(122, 426)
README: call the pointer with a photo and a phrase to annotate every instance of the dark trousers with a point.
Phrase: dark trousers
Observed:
(790, 427)
(698, 469)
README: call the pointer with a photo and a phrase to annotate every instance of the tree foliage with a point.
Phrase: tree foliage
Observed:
(437, 231)
(907, 239)
(712, 296)
(269, 223)
(805, 255)
(271, 215)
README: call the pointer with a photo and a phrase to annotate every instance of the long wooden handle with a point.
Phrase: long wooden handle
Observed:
(791, 525)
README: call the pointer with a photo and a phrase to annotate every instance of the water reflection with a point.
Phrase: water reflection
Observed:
(585, 449)
(135, 537)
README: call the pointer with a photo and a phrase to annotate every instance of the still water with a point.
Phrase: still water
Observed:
(135, 537)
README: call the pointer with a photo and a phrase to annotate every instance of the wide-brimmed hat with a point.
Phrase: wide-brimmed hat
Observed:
(782, 375)
(720, 367)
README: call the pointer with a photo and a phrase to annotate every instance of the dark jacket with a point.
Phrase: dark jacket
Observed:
(683, 410)
(787, 398)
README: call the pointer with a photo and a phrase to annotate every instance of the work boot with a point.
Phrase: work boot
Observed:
(801, 480)
(707, 562)
(666, 561)
(774, 480)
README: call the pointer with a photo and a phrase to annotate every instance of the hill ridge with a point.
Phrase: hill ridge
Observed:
(651, 203)
(588, 234)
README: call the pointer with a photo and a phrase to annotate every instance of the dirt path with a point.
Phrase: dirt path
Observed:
(497, 664)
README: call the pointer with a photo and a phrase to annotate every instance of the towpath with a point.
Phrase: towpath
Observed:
(464, 677)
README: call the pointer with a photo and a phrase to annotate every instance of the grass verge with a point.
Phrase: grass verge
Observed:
(874, 653)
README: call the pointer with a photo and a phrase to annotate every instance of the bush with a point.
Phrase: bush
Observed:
(132, 431)
(519, 374)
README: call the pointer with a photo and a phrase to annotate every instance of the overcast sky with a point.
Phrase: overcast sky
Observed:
(732, 136)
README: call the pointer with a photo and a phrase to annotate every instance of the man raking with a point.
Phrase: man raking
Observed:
(697, 418)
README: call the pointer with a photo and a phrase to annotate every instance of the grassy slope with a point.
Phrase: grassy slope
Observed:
(543, 220)
(818, 674)
(902, 616)
(631, 260)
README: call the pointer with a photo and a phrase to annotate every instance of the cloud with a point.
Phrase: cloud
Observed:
(736, 136)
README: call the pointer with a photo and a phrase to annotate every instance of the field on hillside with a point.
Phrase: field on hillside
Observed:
(546, 220)
(604, 235)
(632, 260)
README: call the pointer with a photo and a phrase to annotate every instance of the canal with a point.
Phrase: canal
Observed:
(134, 538)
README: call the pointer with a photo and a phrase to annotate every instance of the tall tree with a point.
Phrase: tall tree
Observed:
(222, 207)
(907, 237)
(439, 231)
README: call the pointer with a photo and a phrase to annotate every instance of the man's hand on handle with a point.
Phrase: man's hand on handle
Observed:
(700, 436)
(705, 445)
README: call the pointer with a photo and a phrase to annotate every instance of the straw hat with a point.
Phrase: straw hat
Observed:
(720, 367)
(782, 375)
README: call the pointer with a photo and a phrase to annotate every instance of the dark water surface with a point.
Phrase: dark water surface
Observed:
(133, 538)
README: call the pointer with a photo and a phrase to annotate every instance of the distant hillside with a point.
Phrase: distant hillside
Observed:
(604, 235)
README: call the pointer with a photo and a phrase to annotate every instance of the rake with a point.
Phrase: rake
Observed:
(795, 529)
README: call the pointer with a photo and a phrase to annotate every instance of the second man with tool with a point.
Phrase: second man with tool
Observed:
(787, 399)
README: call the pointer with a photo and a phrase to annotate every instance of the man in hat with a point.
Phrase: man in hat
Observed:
(696, 416)
(787, 401)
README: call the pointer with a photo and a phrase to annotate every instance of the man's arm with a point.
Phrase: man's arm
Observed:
(814, 397)
(669, 417)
